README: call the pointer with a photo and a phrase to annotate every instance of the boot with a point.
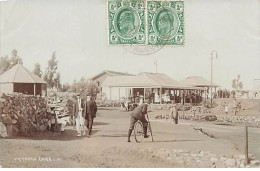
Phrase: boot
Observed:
(145, 132)
(129, 135)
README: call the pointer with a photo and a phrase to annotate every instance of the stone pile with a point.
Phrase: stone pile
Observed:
(3, 130)
(185, 158)
(203, 158)
(249, 120)
(168, 106)
(21, 114)
(239, 119)
(108, 103)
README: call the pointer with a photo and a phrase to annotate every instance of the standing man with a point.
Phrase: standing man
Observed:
(78, 114)
(138, 114)
(90, 111)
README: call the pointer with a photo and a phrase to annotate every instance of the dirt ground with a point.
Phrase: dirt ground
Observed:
(108, 146)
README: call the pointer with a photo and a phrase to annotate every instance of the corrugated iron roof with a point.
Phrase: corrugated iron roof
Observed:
(142, 80)
(111, 73)
(19, 74)
(197, 82)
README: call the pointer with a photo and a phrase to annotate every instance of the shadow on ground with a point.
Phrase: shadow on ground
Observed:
(107, 108)
(175, 140)
(67, 135)
(100, 123)
(114, 135)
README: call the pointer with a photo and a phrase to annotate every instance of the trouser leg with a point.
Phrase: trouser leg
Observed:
(90, 125)
(176, 117)
(129, 134)
(87, 120)
(74, 122)
(82, 125)
(78, 124)
(132, 123)
(145, 126)
(145, 131)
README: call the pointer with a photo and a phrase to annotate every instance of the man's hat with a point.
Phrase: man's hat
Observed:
(88, 93)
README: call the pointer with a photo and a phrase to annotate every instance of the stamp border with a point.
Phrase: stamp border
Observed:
(171, 45)
(107, 28)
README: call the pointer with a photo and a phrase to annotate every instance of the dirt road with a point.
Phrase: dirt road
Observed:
(108, 147)
(233, 134)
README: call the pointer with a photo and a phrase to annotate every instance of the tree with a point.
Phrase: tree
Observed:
(37, 70)
(6, 63)
(73, 88)
(65, 87)
(92, 88)
(57, 81)
(82, 79)
(237, 84)
(51, 71)
(240, 85)
(15, 59)
(85, 87)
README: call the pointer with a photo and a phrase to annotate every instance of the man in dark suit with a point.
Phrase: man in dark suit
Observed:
(138, 114)
(90, 110)
(78, 107)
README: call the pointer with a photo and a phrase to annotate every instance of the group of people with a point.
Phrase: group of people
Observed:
(224, 94)
(236, 106)
(84, 112)
(33, 111)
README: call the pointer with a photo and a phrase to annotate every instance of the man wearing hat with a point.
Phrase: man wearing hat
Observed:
(78, 114)
(90, 111)
(138, 114)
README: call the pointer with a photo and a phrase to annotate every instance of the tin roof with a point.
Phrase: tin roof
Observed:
(19, 74)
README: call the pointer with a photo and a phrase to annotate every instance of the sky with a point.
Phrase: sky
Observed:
(77, 32)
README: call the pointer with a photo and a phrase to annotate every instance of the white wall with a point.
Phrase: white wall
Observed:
(6, 88)
(113, 93)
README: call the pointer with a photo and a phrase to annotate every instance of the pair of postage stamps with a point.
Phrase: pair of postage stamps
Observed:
(146, 22)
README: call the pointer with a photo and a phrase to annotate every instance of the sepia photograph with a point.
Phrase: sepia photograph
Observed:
(130, 84)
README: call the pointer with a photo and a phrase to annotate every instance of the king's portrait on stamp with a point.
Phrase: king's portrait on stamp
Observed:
(126, 21)
(165, 22)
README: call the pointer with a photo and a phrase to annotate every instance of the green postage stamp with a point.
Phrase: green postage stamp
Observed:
(126, 21)
(165, 22)
(147, 22)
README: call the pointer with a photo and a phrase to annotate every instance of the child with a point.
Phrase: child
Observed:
(226, 108)
(174, 114)
(53, 120)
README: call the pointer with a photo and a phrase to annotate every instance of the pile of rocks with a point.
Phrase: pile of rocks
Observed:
(239, 119)
(108, 103)
(168, 106)
(184, 158)
(249, 120)
(22, 114)
(203, 158)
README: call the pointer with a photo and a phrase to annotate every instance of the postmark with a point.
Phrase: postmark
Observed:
(165, 22)
(126, 19)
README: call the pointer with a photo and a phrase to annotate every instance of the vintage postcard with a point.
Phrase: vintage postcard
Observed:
(129, 84)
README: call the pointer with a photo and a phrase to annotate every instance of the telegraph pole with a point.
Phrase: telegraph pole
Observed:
(211, 77)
